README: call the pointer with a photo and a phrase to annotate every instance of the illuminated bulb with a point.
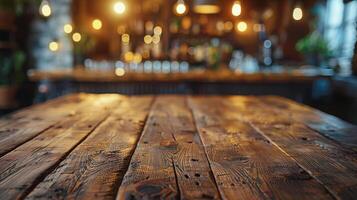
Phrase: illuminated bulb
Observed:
(128, 57)
(97, 24)
(242, 26)
(53, 46)
(156, 39)
(67, 28)
(180, 7)
(125, 38)
(45, 9)
(119, 72)
(236, 9)
(76, 37)
(137, 58)
(297, 13)
(148, 39)
(157, 30)
(119, 7)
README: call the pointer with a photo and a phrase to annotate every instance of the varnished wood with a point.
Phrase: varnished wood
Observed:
(170, 146)
(22, 126)
(109, 146)
(330, 163)
(103, 157)
(245, 164)
(326, 124)
(22, 168)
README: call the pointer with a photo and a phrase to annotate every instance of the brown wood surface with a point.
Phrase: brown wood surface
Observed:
(246, 165)
(103, 157)
(109, 146)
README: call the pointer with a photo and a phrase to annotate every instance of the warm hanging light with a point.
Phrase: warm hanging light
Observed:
(119, 7)
(157, 30)
(242, 26)
(236, 9)
(180, 7)
(45, 8)
(68, 28)
(206, 6)
(53, 46)
(297, 13)
(97, 24)
(76, 37)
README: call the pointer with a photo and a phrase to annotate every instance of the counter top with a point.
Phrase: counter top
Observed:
(109, 146)
(82, 75)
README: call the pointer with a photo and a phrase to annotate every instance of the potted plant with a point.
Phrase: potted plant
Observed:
(11, 59)
(314, 47)
(11, 75)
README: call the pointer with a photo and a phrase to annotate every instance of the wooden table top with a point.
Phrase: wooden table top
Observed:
(110, 146)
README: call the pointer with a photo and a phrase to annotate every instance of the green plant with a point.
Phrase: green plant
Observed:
(314, 44)
(11, 68)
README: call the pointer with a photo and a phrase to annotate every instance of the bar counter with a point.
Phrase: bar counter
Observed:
(82, 75)
(110, 146)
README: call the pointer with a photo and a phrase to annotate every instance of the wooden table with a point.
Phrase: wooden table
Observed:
(110, 146)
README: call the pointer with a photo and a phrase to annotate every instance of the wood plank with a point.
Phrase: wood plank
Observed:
(245, 164)
(169, 161)
(192, 169)
(24, 167)
(96, 167)
(29, 123)
(36, 111)
(151, 173)
(331, 164)
(328, 125)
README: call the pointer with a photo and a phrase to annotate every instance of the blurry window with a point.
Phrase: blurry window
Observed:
(340, 27)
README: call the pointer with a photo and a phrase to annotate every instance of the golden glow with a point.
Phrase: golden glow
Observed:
(149, 25)
(258, 27)
(236, 9)
(53, 46)
(125, 38)
(156, 39)
(242, 26)
(119, 72)
(297, 14)
(129, 56)
(157, 30)
(206, 9)
(137, 58)
(228, 26)
(97, 24)
(180, 8)
(76, 37)
(45, 9)
(148, 39)
(119, 7)
(67, 28)
(121, 29)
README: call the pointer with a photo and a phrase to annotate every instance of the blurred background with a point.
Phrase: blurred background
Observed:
(301, 49)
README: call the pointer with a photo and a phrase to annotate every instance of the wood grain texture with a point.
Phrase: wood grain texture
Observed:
(330, 163)
(192, 169)
(210, 147)
(96, 167)
(245, 164)
(169, 161)
(328, 125)
(28, 123)
(24, 167)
